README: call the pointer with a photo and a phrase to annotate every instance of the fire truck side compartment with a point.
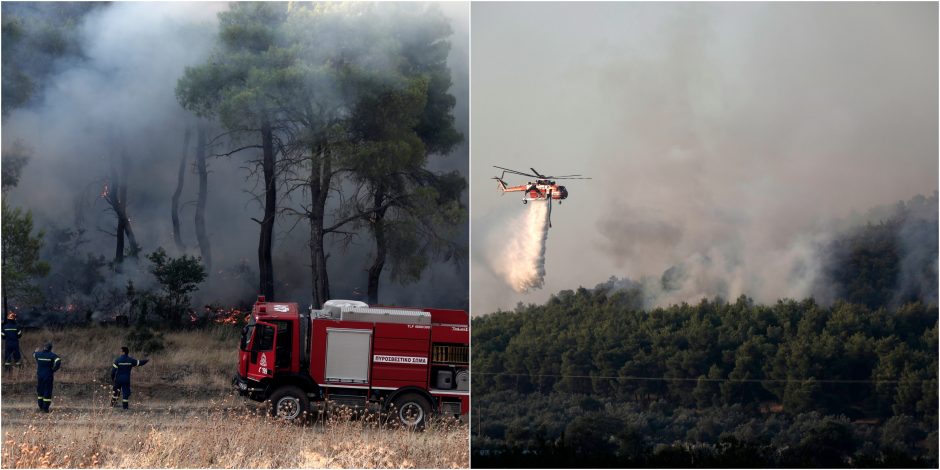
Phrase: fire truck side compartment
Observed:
(347, 355)
(450, 408)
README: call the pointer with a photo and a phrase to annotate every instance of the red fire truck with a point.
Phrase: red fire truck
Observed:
(414, 362)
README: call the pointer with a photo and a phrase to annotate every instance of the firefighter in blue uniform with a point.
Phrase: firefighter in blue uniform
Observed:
(11, 338)
(121, 376)
(47, 362)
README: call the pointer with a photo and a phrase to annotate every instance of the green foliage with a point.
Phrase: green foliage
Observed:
(424, 224)
(145, 340)
(793, 375)
(20, 254)
(243, 83)
(402, 117)
(178, 278)
(356, 90)
(17, 85)
(888, 262)
(14, 160)
(35, 35)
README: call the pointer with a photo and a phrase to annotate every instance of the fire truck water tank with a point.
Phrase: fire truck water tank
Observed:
(445, 380)
(336, 306)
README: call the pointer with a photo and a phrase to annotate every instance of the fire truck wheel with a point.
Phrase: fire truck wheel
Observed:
(412, 410)
(289, 403)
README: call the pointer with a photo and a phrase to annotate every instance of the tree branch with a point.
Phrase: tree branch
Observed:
(229, 154)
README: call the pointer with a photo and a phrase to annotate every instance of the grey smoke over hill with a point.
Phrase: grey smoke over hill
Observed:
(116, 97)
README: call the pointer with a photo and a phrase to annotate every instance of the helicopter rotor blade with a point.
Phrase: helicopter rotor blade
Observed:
(536, 174)
(515, 172)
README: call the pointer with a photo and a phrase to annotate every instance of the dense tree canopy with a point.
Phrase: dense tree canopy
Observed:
(342, 95)
(890, 260)
(400, 119)
(701, 373)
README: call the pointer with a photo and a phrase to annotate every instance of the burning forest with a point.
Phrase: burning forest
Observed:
(761, 235)
(308, 160)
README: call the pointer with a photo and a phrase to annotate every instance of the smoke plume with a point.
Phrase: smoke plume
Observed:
(521, 262)
(116, 97)
(725, 140)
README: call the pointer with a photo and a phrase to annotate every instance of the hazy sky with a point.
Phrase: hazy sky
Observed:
(721, 136)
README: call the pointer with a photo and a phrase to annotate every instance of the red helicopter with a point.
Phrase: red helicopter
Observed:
(544, 188)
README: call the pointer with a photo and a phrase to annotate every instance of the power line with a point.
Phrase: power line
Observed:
(705, 379)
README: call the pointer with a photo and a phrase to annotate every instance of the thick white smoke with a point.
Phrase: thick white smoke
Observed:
(122, 88)
(521, 262)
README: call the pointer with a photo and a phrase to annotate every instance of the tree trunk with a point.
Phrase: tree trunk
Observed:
(321, 282)
(175, 204)
(119, 245)
(265, 241)
(134, 248)
(114, 199)
(320, 175)
(111, 192)
(381, 244)
(201, 236)
(116, 196)
(6, 310)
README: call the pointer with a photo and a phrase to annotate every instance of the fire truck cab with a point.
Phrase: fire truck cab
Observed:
(412, 362)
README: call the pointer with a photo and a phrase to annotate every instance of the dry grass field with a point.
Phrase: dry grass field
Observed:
(184, 415)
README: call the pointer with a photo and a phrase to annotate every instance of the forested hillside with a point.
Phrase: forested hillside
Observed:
(587, 376)
(888, 260)
(592, 377)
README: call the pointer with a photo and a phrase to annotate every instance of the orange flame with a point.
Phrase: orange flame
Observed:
(224, 316)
